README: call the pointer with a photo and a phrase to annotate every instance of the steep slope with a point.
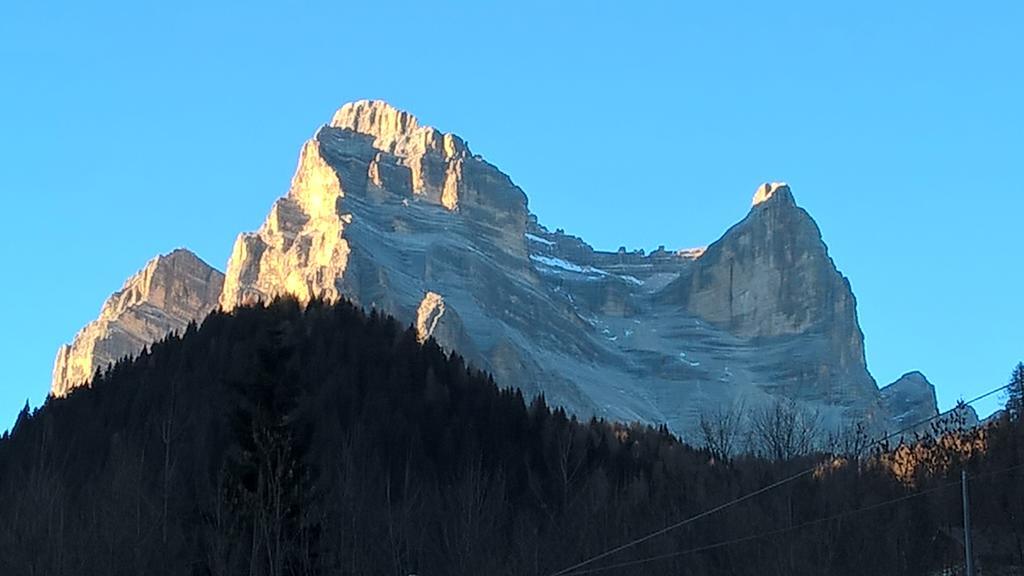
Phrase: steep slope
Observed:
(168, 293)
(404, 218)
(770, 280)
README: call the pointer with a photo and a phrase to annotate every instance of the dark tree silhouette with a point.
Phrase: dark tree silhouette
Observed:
(319, 439)
(1015, 393)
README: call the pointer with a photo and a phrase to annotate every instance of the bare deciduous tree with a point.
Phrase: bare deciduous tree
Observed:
(723, 430)
(784, 430)
(850, 441)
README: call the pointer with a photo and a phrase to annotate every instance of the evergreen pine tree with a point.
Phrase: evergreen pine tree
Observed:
(23, 417)
(1015, 393)
(269, 478)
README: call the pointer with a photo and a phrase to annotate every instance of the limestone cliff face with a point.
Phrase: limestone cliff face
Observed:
(300, 249)
(171, 291)
(370, 154)
(434, 159)
(769, 278)
(401, 217)
(771, 275)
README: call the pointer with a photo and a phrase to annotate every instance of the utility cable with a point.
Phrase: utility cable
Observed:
(771, 533)
(935, 417)
(758, 492)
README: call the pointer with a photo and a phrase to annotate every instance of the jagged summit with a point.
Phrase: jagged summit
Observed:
(160, 281)
(911, 399)
(396, 131)
(371, 158)
(170, 291)
(770, 278)
(773, 190)
(401, 217)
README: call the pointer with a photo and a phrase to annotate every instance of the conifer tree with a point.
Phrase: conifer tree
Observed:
(268, 475)
(1015, 393)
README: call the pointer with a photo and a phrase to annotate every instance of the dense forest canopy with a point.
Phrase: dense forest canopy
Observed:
(319, 439)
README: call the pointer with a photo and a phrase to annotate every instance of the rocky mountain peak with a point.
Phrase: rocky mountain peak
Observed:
(770, 277)
(169, 280)
(777, 191)
(910, 399)
(771, 274)
(407, 159)
(373, 169)
(396, 131)
(170, 291)
(401, 217)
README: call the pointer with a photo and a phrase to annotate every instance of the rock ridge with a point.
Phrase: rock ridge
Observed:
(404, 218)
(163, 297)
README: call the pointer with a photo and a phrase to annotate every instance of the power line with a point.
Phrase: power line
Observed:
(939, 415)
(667, 529)
(779, 531)
(759, 491)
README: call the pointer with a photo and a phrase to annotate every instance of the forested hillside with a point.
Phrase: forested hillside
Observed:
(322, 440)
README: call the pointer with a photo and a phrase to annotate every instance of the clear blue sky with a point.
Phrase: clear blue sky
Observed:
(127, 130)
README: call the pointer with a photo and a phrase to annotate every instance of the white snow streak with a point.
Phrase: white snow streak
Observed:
(539, 240)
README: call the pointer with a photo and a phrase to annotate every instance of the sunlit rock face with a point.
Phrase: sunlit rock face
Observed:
(767, 191)
(404, 218)
(370, 158)
(171, 291)
(300, 249)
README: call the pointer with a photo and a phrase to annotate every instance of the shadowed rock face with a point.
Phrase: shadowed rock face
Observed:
(770, 280)
(911, 400)
(171, 291)
(404, 218)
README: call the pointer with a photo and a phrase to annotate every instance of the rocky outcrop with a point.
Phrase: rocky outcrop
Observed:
(434, 159)
(372, 154)
(770, 279)
(401, 217)
(913, 406)
(300, 249)
(428, 315)
(171, 291)
(910, 400)
(771, 275)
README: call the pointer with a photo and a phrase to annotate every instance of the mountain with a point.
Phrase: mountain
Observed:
(404, 218)
(771, 282)
(168, 293)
